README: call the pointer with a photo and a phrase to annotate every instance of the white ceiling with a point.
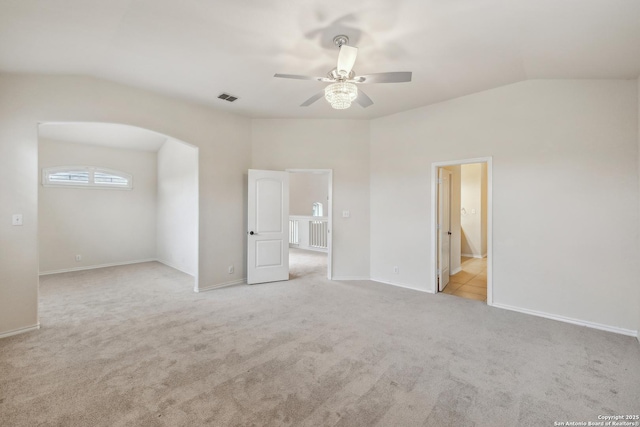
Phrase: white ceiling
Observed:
(103, 134)
(197, 49)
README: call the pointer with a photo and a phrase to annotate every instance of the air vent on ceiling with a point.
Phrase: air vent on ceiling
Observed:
(227, 97)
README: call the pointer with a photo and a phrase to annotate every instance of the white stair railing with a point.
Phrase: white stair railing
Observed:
(318, 234)
(294, 234)
(309, 232)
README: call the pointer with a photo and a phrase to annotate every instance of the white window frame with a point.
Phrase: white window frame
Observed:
(46, 172)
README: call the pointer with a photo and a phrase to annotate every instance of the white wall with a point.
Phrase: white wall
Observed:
(177, 213)
(564, 152)
(26, 100)
(104, 226)
(638, 278)
(474, 229)
(341, 145)
(305, 189)
(565, 168)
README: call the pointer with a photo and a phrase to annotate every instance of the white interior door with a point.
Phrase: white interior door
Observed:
(444, 227)
(268, 226)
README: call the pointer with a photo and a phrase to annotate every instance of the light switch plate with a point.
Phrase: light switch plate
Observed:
(346, 214)
(16, 219)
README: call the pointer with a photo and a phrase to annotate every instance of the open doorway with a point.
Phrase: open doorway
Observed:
(461, 224)
(310, 222)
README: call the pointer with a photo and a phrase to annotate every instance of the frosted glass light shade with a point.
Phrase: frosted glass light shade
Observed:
(341, 94)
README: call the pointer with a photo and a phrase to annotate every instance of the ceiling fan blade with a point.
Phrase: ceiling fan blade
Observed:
(298, 77)
(363, 99)
(346, 59)
(313, 99)
(393, 77)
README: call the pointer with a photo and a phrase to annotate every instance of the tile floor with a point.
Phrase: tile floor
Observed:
(471, 282)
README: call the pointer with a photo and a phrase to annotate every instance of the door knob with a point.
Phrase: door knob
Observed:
(252, 233)
(449, 233)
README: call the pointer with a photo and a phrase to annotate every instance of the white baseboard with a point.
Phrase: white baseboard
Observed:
(400, 285)
(20, 331)
(350, 278)
(92, 267)
(474, 256)
(456, 271)
(175, 267)
(308, 248)
(222, 285)
(593, 325)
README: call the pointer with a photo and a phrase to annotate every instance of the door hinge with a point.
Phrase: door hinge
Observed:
(439, 272)
(439, 180)
(438, 227)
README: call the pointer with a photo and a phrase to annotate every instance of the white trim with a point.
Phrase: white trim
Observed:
(474, 256)
(311, 249)
(351, 278)
(20, 331)
(168, 264)
(222, 285)
(86, 187)
(196, 277)
(92, 267)
(434, 206)
(329, 214)
(593, 325)
(401, 285)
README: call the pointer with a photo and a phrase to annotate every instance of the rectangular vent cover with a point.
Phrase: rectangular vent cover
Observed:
(227, 97)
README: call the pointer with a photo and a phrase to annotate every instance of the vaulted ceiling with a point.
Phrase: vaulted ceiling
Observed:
(197, 49)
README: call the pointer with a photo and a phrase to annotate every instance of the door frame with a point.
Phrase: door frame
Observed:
(329, 214)
(434, 220)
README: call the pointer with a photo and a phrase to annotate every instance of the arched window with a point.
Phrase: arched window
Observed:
(86, 176)
(317, 209)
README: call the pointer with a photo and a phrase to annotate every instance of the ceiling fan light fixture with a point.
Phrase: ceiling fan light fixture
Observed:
(341, 94)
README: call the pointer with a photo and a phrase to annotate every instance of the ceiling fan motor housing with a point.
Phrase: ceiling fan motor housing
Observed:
(340, 40)
(333, 75)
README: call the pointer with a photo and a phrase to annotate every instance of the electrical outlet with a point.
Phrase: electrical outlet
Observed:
(396, 269)
(78, 258)
(231, 269)
(16, 219)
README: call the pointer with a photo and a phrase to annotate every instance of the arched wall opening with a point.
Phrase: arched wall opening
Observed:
(84, 227)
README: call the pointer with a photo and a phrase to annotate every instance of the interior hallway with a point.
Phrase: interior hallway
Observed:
(471, 282)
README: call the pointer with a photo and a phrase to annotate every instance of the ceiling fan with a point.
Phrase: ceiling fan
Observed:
(343, 91)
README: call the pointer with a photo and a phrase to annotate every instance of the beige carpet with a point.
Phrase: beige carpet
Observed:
(134, 346)
(307, 264)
